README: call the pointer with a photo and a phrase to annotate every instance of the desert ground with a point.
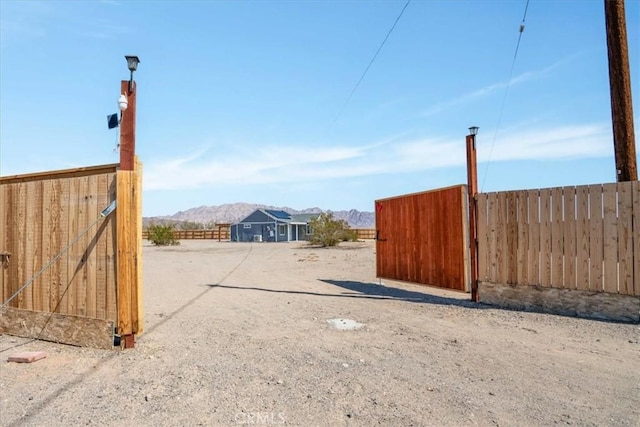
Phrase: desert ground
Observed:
(241, 334)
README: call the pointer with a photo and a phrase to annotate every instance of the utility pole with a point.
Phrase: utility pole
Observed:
(620, 84)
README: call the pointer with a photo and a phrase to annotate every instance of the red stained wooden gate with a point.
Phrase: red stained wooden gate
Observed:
(423, 238)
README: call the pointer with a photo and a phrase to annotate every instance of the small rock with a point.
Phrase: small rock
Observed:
(147, 398)
(346, 365)
(280, 382)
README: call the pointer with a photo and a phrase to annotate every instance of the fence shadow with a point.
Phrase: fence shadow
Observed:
(361, 290)
(373, 291)
(390, 292)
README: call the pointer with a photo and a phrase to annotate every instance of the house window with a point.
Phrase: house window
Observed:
(282, 230)
(247, 225)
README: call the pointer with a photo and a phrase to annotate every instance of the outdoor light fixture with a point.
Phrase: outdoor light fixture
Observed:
(123, 102)
(473, 130)
(132, 64)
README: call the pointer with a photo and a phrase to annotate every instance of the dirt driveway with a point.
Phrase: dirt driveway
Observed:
(239, 334)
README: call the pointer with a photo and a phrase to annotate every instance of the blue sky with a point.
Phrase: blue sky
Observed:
(244, 101)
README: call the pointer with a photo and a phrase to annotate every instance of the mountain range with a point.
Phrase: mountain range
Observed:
(232, 213)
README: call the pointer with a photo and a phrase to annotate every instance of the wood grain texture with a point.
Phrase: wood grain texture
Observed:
(533, 257)
(74, 254)
(91, 250)
(60, 328)
(46, 236)
(110, 231)
(139, 313)
(569, 237)
(124, 260)
(512, 237)
(23, 298)
(610, 238)
(635, 196)
(596, 243)
(421, 238)
(557, 238)
(101, 253)
(582, 237)
(483, 242)
(625, 239)
(4, 244)
(502, 248)
(545, 237)
(65, 211)
(522, 254)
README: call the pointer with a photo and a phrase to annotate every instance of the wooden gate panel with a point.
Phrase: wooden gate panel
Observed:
(421, 238)
(42, 220)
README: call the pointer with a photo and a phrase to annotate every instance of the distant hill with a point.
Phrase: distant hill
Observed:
(235, 212)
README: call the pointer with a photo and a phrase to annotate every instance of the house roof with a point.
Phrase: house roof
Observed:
(262, 215)
(304, 218)
(278, 214)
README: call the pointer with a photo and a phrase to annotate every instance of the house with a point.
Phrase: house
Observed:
(265, 225)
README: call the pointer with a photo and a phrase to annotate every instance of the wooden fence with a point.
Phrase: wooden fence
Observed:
(365, 233)
(221, 233)
(224, 233)
(84, 268)
(581, 238)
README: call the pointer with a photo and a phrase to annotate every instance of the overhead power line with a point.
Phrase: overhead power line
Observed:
(506, 94)
(366, 70)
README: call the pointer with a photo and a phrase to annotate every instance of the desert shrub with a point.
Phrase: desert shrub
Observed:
(190, 225)
(328, 231)
(349, 235)
(161, 235)
(210, 225)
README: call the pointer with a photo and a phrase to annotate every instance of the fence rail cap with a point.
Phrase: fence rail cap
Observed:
(62, 173)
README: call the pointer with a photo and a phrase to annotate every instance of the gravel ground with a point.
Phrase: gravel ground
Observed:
(240, 334)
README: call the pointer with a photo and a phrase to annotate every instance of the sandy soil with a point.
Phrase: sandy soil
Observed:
(238, 334)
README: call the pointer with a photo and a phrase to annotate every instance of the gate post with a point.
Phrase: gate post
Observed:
(129, 217)
(472, 183)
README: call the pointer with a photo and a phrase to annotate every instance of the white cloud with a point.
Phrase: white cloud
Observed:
(101, 29)
(295, 164)
(490, 89)
(568, 142)
(23, 20)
